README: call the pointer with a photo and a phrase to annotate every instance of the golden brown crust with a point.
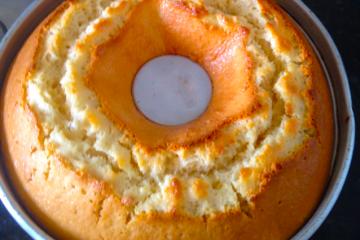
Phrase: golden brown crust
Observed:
(151, 31)
(73, 205)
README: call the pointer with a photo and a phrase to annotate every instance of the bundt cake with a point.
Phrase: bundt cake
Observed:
(87, 164)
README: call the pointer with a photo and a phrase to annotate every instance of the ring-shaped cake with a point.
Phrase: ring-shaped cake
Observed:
(80, 153)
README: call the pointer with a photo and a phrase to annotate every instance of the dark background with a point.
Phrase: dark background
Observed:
(342, 19)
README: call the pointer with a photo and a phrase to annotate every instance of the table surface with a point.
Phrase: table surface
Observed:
(342, 19)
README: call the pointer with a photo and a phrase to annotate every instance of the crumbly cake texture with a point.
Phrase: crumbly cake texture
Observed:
(253, 165)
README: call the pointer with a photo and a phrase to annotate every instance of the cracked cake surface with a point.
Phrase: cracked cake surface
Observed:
(253, 165)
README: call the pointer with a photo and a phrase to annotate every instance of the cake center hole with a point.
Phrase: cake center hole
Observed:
(172, 90)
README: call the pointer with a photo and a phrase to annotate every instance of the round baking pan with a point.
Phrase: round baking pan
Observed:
(327, 53)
